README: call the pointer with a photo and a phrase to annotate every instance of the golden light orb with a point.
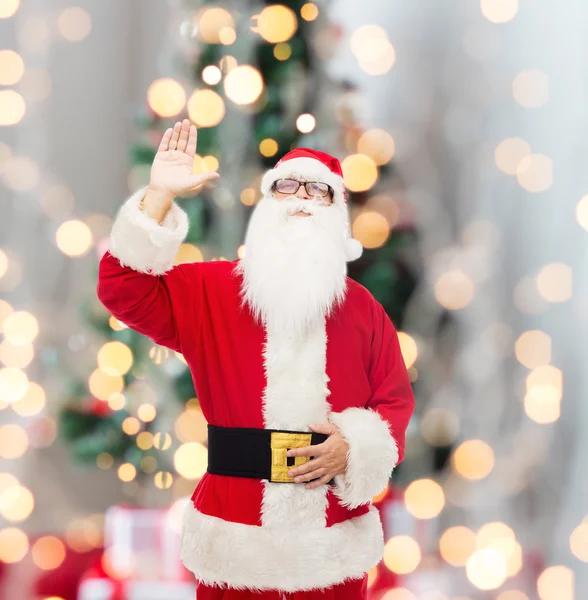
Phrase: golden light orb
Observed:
(11, 67)
(166, 97)
(268, 147)
(243, 84)
(32, 402)
(48, 552)
(74, 238)
(211, 24)
(147, 412)
(131, 425)
(12, 107)
(579, 542)
(556, 583)
(499, 11)
(206, 108)
(378, 145)
(454, 290)
(486, 569)
(102, 385)
(8, 8)
(188, 253)
(283, 51)
(533, 348)
(402, 554)
(20, 328)
(371, 229)
(211, 75)
(13, 384)
(14, 543)
(473, 459)
(127, 472)
(276, 24)
(409, 348)
(16, 503)
(424, 498)
(74, 24)
(309, 11)
(582, 212)
(191, 460)
(543, 404)
(457, 544)
(360, 172)
(115, 358)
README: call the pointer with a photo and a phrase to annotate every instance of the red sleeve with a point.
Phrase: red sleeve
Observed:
(150, 304)
(392, 395)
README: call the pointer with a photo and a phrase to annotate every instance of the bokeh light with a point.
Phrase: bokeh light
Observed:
(582, 212)
(371, 47)
(457, 544)
(163, 480)
(146, 412)
(360, 172)
(579, 542)
(74, 24)
(13, 384)
(48, 552)
(556, 583)
(32, 402)
(14, 441)
(115, 358)
(499, 11)
(424, 498)
(305, 123)
(409, 348)
(127, 472)
(309, 11)
(276, 23)
(8, 8)
(191, 426)
(16, 503)
(131, 425)
(509, 154)
(473, 459)
(530, 88)
(542, 404)
(101, 384)
(282, 51)
(371, 229)
(188, 253)
(533, 348)
(74, 238)
(12, 107)
(535, 173)
(206, 108)
(191, 460)
(454, 290)
(162, 441)
(486, 569)
(554, 282)
(211, 75)
(402, 554)
(14, 543)
(212, 22)
(378, 145)
(166, 97)
(243, 84)
(268, 147)
(11, 67)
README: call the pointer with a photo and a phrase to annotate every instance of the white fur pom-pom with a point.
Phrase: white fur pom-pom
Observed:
(353, 249)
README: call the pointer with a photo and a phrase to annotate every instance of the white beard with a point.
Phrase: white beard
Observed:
(294, 268)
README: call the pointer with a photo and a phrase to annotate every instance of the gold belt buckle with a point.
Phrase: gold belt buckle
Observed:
(280, 444)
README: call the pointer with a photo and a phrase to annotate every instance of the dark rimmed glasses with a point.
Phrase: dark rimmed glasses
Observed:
(313, 188)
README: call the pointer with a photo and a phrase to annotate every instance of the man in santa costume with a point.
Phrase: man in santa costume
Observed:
(297, 368)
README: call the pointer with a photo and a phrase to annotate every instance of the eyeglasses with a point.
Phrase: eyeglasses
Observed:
(313, 188)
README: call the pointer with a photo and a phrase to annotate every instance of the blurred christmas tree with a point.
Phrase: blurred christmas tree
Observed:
(255, 87)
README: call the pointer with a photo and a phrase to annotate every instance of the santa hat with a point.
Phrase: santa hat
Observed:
(314, 165)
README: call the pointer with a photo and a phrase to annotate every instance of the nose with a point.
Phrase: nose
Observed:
(301, 193)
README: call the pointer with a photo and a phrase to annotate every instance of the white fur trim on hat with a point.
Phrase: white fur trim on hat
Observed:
(353, 249)
(309, 168)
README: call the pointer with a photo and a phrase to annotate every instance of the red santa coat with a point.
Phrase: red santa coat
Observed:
(247, 533)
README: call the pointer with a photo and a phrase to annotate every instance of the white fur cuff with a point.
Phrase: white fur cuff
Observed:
(372, 456)
(139, 242)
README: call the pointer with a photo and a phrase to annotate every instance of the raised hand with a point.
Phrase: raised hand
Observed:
(171, 171)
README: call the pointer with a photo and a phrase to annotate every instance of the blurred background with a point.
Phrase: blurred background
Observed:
(461, 127)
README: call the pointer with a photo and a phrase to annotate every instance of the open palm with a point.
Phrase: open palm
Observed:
(172, 169)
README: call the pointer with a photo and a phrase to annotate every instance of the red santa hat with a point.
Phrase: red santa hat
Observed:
(313, 165)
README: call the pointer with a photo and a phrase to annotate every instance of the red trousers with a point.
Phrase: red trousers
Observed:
(350, 590)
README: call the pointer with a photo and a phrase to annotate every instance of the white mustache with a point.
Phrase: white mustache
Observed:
(293, 204)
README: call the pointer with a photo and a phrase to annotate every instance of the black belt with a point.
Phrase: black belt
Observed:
(257, 453)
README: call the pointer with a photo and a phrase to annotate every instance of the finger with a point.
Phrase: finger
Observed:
(201, 178)
(311, 465)
(314, 474)
(184, 132)
(173, 143)
(327, 428)
(164, 144)
(315, 450)
(322, 481)
(192, 141)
